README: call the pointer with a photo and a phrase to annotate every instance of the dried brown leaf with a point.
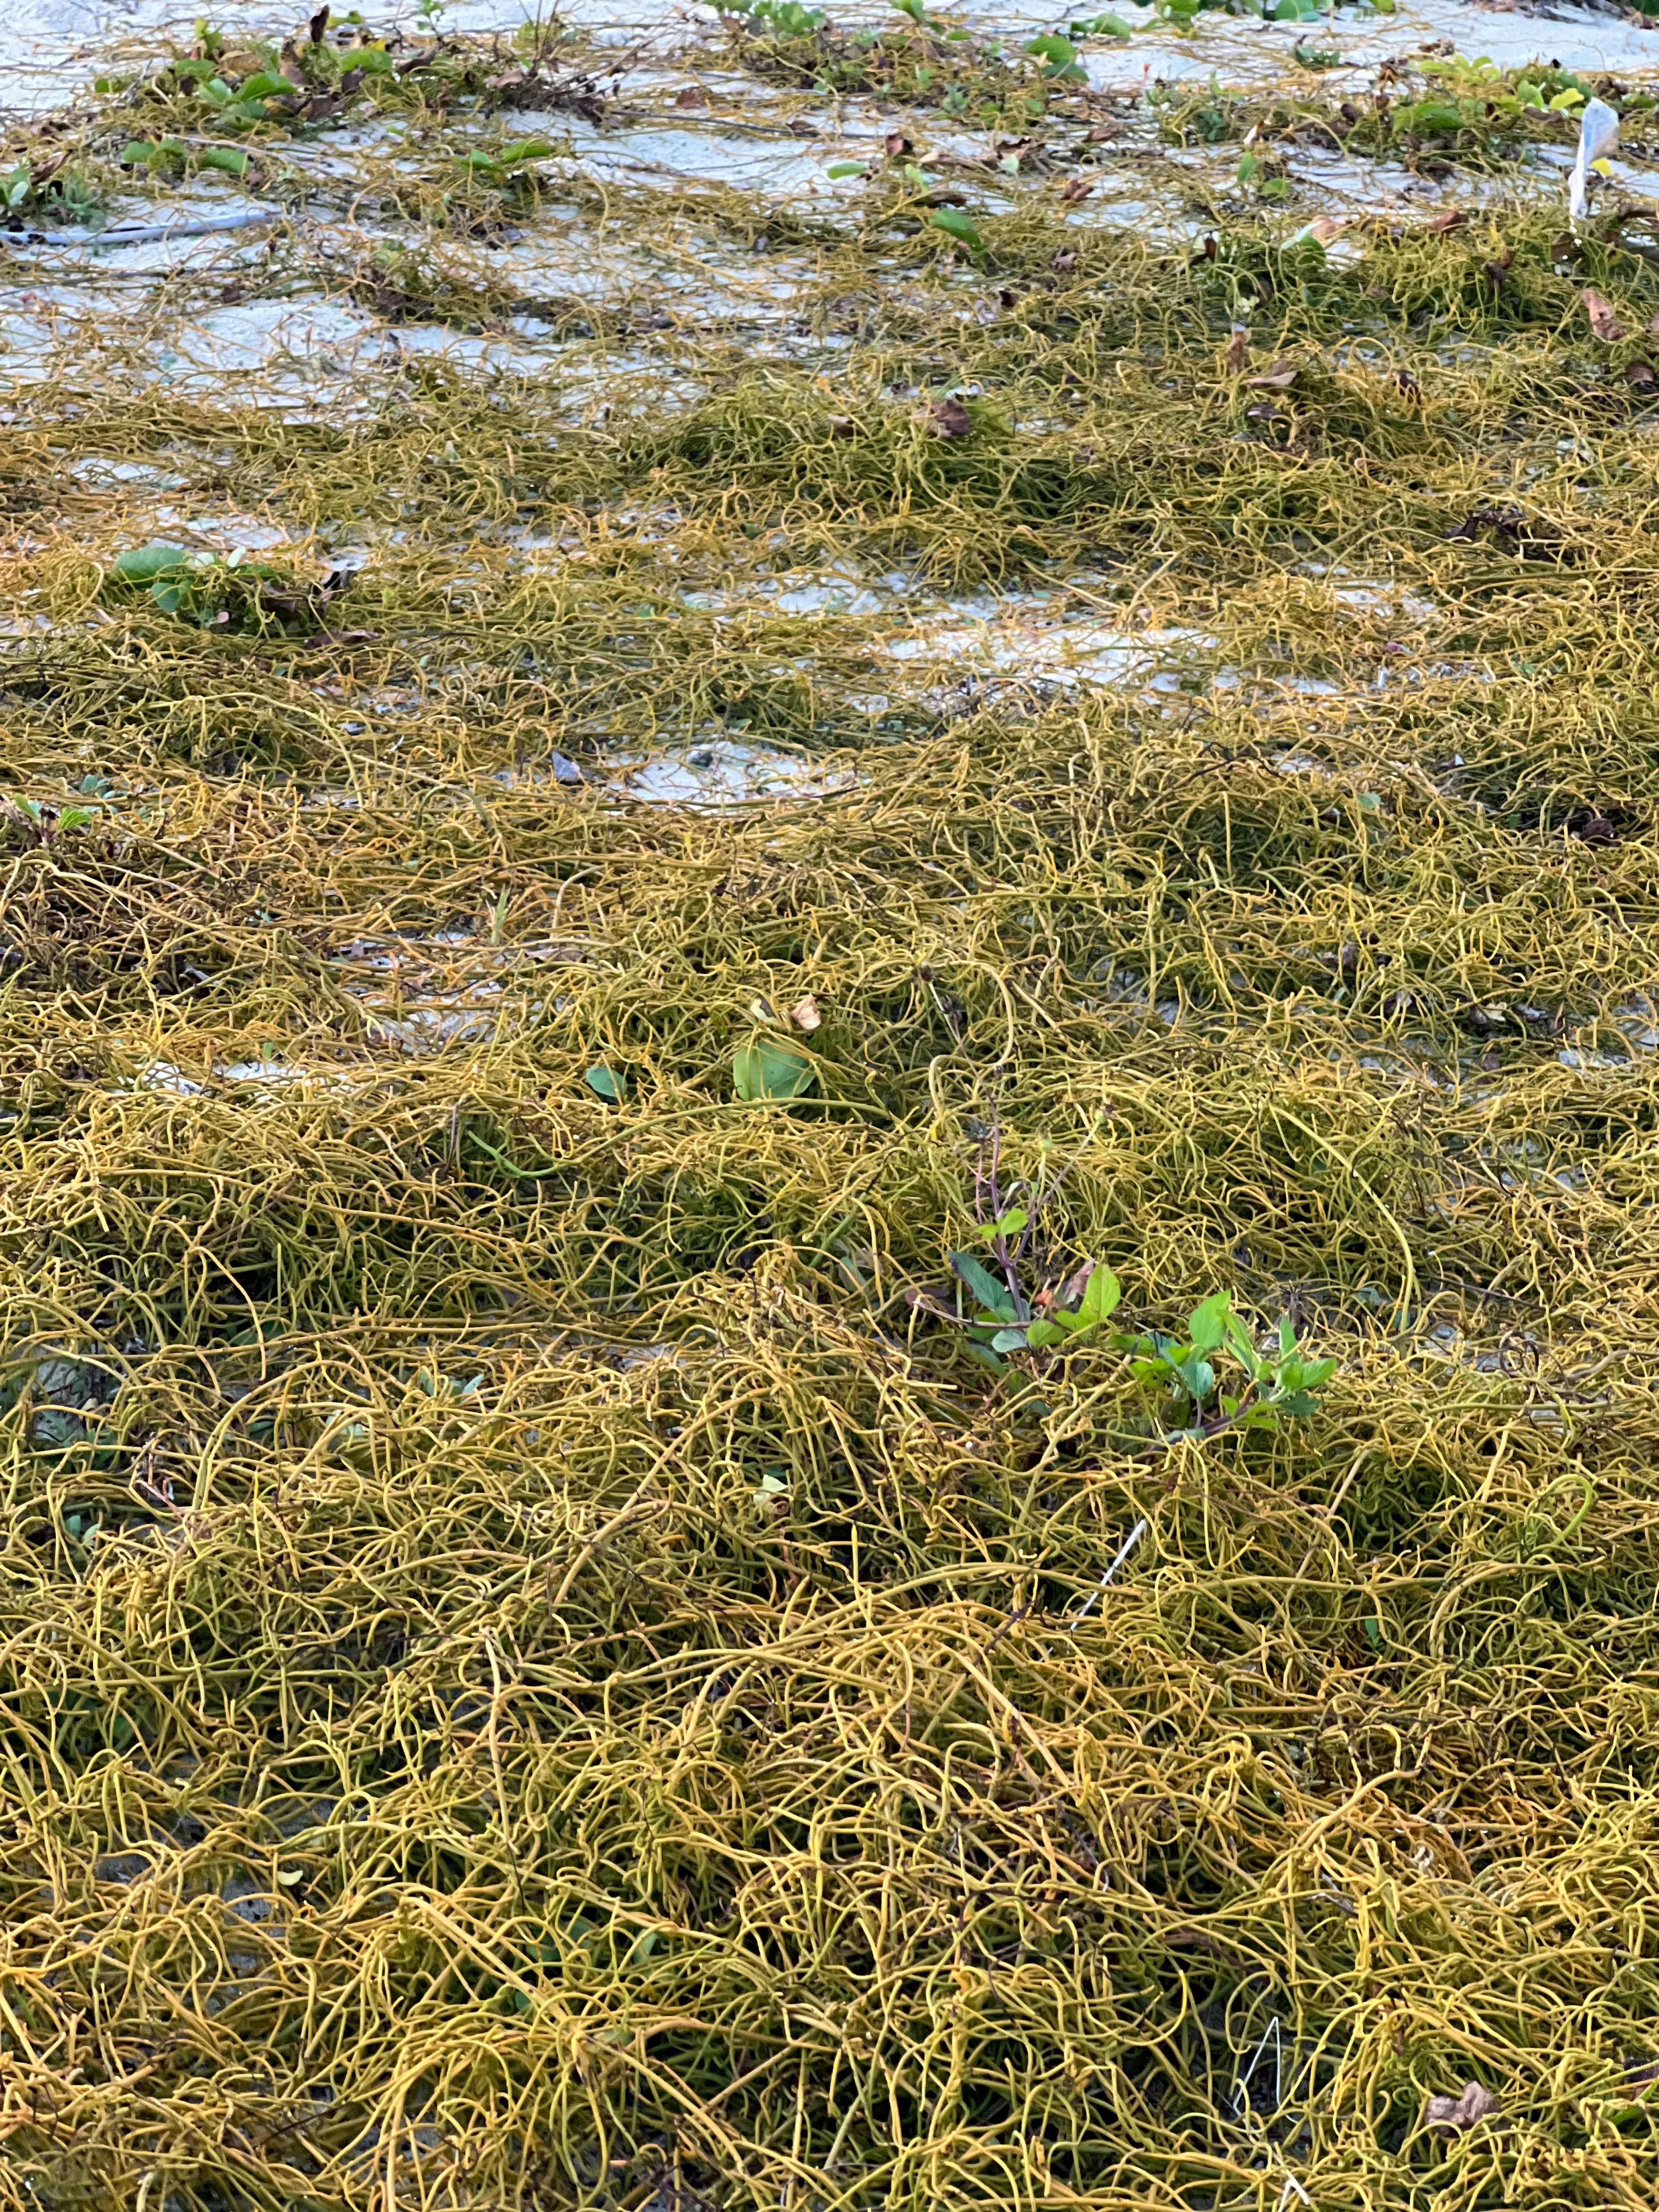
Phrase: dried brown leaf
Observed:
(949, 418)
(1604, 324)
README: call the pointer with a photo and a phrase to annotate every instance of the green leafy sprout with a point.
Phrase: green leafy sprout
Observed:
(1213, 1377)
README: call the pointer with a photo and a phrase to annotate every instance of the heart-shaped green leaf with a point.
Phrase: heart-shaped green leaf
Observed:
(763, 1074)
(142, 564)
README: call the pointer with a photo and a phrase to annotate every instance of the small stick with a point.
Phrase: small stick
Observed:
(1128, 1545)
(152, 234)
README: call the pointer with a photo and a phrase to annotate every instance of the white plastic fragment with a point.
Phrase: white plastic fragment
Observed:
(1598, 133)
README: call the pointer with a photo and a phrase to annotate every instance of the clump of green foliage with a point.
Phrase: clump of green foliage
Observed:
(48, 191)
(1021, 1299)
(227, 592)
(1469, 113)
(930, 63)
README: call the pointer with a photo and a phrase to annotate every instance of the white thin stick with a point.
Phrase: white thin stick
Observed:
(1270, 2033)
(155, 233)
(1292, 2182)
(1128, 1545)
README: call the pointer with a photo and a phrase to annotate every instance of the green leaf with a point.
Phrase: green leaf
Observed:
(1009, 1339)
(605, 1083)
(1208, 1325)
(1040, 1334)
(1240, 1341)
(1010, 1225)
(1100, 1298)
(1319, 1373)
(1197, 1378)
(955, 224)
(1096, 26)
(979, 1280)
(525, 149)
(135, 151)
(764, 1074)
(229, 159)
(140, 564)
(984, 1354)
(1286, 1336)
(1057, 51)
(263, 86)
(846, 169)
